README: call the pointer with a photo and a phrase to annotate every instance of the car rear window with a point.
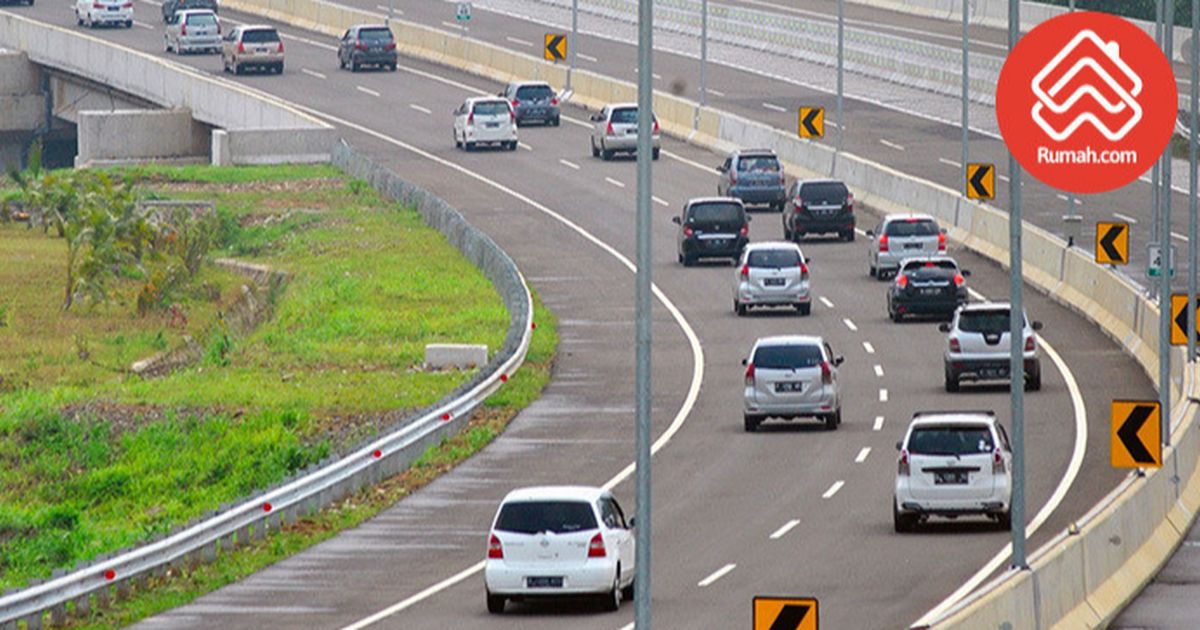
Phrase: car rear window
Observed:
(774, 258)
(201, 19)
(259, 36)
(534, 92)
(198, 4)
(625, 115)
(752, 163)
(713, 212)
(931, 269)
(559, 517)
(986, 322)
(490, 108)
(831, 192)
(951, 440)
(786, 357)
(375, 34)
(914, 227)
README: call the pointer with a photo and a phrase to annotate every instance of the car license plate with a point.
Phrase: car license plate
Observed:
(912, 246)
(993, 373)
(544, 582)
(492, 125)
(260, 50)
(113, 8)
(791, 386)
(773, 282)
(930, 291)
(958, 477)
(714, 243)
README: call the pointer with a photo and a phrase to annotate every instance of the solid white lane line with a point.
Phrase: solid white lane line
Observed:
(718, 574)
(313, 73)
(878, 424)
(716, 92)
(614, 182)
(385, 9)
(366, 90)
(570, 165)
(660, 201)
(950, 162)
(586, 57)
(868, 347)
(519, 42)
(1126, 218)
(878, 370)
(826, 302)
(524, 146)
(862, 455)
(423, 110)
(143, 25)
(850, 324)
(787, 527)
(890, 145)
(775, 108)
(883, 395)
(452, 25)
(837, 485)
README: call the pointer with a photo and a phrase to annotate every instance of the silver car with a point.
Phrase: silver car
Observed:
(772, 274)
(977, 346)
(614, 130)
(902, 236)
(533, 101)
(193, 30)
(789, 377)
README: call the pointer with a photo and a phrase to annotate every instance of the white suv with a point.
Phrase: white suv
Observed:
(792, 376)
(901, 236)
(977, 346)
(953, 463)
(772, 274)
(556, 541)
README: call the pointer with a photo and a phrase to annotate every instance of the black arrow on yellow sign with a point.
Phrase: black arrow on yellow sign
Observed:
(981, 181)
(1133, 447)
(1112, 243)
(790, 617)
(785, 613)
(1179, 302)
(556, 47)
(812, 122)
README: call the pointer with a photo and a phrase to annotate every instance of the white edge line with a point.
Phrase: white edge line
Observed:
(1126, 218)
(570, 165)
(716, 575)
(659, 201)
(787, 527)
(586, 57)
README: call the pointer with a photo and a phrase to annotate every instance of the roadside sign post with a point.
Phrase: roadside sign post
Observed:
(642, 314)
(703, 56)
(1164, 291)
(1016, 337)
(462, 15)
(574, 40)
(841, 62)
(966, 90)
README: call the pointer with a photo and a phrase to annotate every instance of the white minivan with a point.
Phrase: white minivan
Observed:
(485, 120)
(93, 13)
(556, 541)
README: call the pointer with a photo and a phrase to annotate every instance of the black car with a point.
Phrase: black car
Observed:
(367, 45)
(931, 285)
(169, 7)
(712, 227)
(819, 207)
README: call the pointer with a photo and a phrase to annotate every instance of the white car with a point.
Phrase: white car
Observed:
(977, 346)
(485, 120)
(555, 541)
(953, 463)
(192, 30)
(792, 376)
(901, 236)
(772, 274)
(104, 13)
(614, 129)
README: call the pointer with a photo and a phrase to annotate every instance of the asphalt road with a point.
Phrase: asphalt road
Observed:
(719, 493)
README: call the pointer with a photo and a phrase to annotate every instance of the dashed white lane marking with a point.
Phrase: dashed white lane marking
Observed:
(837, 485)
(628, 626)
(524, 146)
(716, 92)
(366, 90)
(660, 201)
(452, 25)
(890, 145)
(950, 163)
(775, 108)
(614, 182)
(826, 302)
(1062, 197)
(587, 57)
(862, 455)
(850, 324)
(868, 347)
(519, 42)
(716, 575)
(878, 424)
(787, 527)
(423, 110)
(1177, 236)
(570, 165)
(385, 9)
(829, 123)
(878, 370)
(313, 73)
(1003, 178)
(883, 395)
(1125, 217)
(653, 75)
(148, 27)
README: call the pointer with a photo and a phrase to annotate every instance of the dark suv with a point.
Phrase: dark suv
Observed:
(927, 285)
(712, 227)
(819, 206)
(169, 7)
(367, 45)
(533, 101)
(754, 176)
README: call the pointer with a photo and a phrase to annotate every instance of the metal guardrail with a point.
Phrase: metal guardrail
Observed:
(312, 490)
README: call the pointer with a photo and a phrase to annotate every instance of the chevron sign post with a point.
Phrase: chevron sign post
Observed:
(1086, 102)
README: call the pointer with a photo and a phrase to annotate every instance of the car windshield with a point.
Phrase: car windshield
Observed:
(260, 36)
(912, 227)
(986, 322)
(375, 35)
(714, 212)
(773, 258)
(930, 269)
(201, 19)
(490, 108)
(792, 356)
(756, 163)
(559, 517)
(534, 92)
(625, 116)
(950, 440)
(832, 192)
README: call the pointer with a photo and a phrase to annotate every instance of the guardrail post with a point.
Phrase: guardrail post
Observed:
(103, 596)
(124, 590)
(83, 605)
(34, 621)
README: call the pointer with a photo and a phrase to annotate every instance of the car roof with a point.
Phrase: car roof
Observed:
(823, 180)
(556, 493)
(359, 27)
(195, 12)
(485, 99)
(521, 84)
(753, 247)
(789, 340)
(906, 217)
(753, 152)
(698, 200)
(256, 27)
(926, 418)
(622, 105)
(986, 306)
(928, 259)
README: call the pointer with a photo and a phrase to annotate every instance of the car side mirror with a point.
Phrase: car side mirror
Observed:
(943, 230)
(676, 221)
(632, 522)
(944, 327)
(808, 261)
(744, 362)
(839, 359)
(899, 444)
(1036, 325)
(749, 218)
(870, 232)
(596, 118)
(965, 272)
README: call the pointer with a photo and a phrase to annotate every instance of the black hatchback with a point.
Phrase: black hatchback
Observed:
(819, 207)
(367, 45)
(712, 227)
(930, 285)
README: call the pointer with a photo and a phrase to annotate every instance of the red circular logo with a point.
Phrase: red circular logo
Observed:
(1086, 102)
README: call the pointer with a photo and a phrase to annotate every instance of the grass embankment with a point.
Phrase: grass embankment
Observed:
(93, 459)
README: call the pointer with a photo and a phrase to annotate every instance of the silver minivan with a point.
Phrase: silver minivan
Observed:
(614, 130)
(772, 274)
(792, 376)
(902, 236)
(192, 30)
(977, 346)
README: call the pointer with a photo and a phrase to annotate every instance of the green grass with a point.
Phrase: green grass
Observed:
(93, 460)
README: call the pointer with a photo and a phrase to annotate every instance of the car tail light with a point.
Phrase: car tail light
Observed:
(183, 29)
(495, 549)
(515, 102)
(554, 100)
(218, 28)
(655, 125)
(998, 466)
(750, 375)
(280, 49)
(959, 280)
(745, 229)
(745, 272)
(826, 373)
(781, 180)
(902, 281)
(902, 464)
(241, 48)
(850, 202)
(127, 5)
(1030, 344)
(359, 46)
(954, 345)
(471, 119)
(883, 244)
(941, 242)
(97, 5)
(688, 231)
(390, 46)
(596, 547)
(609, 131)
(512, 115)
(732, 178)
(803, 271)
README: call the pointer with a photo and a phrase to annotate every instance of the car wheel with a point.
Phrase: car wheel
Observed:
(688, 261)
(595, 151)
(237, 68)
(611, 600)
(627, 592)
(495, 603)
(279, 68)
(895, 315)
(166, 44)
(392, 66)
(750, 423)
(871, 271)
(848, 236)
(902, 522)
(554, 123)
(605, 154)
(832, 421)
(951, 381)
(78, 20)
(468, 146)
(739, 308)
(654, 154)
(1004, 520)
(128, 23)
(1034, 382)
(354, 66)
(805, 309)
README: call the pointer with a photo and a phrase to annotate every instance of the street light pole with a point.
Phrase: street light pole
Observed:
(1016, 330)
(703, 52)
(574, 42)
(841, 42)
(642, 329)
(1070, 195)
(1164, 298)
(965, 93)
(1192, 184)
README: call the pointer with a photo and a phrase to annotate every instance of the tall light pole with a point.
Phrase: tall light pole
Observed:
(645, 99)
(1192, 184)
(1070, 195)
(1016, 330)
(574, 41)
(1155, 174)
(841, 42)
(703, 52)
(1164, 298)
(966, 82)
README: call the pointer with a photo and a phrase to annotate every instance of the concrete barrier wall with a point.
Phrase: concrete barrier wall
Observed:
(22, 106)
(280, 146)
(139, 134)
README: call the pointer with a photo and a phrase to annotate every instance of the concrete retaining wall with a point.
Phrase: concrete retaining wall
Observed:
(139, 135)
(22, 105)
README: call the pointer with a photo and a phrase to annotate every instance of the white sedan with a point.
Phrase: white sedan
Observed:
(485, 120)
